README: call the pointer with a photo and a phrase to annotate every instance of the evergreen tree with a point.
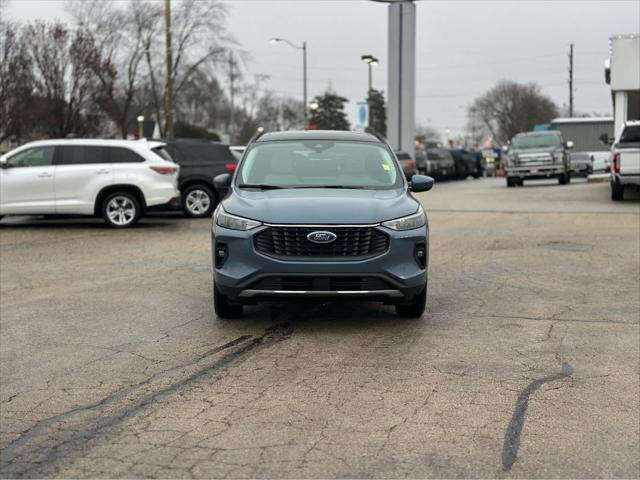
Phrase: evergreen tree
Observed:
(377, 112)
(330, 114)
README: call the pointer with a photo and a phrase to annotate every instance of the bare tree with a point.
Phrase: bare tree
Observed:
(62, 79)
(476, 130)
(511, 107)
(16, 84)
(119, 48)
(199, 37)
(427, 134)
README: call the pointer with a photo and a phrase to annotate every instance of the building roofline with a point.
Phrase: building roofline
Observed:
(581, 119)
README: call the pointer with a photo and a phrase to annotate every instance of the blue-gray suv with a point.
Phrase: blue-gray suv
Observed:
(320, 215)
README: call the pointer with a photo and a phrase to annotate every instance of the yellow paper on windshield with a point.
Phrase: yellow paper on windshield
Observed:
(386, 167)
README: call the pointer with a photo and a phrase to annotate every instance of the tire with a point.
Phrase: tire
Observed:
(198, 201)
(510, 182)
(617, 192)
(416, 308)
(223, 308)
(563, 179)
(121, 210)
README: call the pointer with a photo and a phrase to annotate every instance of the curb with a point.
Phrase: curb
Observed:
(599, 178)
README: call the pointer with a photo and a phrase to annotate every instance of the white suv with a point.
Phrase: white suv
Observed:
(115, 179)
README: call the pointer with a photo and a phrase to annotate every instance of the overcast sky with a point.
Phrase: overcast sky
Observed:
(463, 47)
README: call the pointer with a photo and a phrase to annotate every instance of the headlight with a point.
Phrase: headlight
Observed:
(409, 222)
(226, 220)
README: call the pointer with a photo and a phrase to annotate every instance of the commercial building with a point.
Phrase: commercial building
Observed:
(622, 72)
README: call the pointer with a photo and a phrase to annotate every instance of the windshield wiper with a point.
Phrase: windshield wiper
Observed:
(347, 187)
(260, 186)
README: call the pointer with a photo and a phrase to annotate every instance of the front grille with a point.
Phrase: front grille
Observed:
(542, 160)
(350, 242)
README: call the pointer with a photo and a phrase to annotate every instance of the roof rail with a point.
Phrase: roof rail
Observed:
(377, 134)
(255, 138)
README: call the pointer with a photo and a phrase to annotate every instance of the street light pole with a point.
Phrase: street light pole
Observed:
(304, 85)
(370, 60)
(304, 75)
(140, 126)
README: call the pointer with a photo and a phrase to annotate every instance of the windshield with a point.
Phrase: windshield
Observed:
(631, 134)
(162, 153)
(438, 155)
(321, 163)
(536, 141)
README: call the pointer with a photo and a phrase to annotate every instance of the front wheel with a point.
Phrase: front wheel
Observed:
(223, 308)
(121, 210)
(416, 308)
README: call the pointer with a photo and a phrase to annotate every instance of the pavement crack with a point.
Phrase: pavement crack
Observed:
(514, 429)
(29, 442)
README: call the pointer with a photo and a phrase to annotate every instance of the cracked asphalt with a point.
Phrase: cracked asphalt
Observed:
(526, 363)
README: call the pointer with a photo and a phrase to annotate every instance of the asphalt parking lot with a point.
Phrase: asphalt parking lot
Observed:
(526, 363)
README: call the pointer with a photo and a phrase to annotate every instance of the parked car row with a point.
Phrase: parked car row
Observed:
(442, 164)
(119, 180)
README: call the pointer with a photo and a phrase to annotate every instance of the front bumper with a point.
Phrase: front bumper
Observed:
(535, 171)
(248, 276)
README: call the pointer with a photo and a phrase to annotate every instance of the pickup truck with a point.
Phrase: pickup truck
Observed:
(535, 155)
(625, 160)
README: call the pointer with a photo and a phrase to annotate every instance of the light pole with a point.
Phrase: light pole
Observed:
(304, 74)
(371, 61)
(140, 126)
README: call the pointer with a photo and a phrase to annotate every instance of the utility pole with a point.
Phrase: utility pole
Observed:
(571, 80)
(168, 93)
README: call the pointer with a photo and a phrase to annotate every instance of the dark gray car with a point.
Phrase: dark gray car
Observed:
(320, 215)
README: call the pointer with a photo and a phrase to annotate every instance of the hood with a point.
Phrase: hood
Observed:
(320, 205)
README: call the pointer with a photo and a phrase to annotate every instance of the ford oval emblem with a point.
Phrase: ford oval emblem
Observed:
(322, 237)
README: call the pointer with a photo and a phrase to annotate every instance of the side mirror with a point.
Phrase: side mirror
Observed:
(606, 139)
(222, 181)
(421, 183)
(3, 162)
(569, 144)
